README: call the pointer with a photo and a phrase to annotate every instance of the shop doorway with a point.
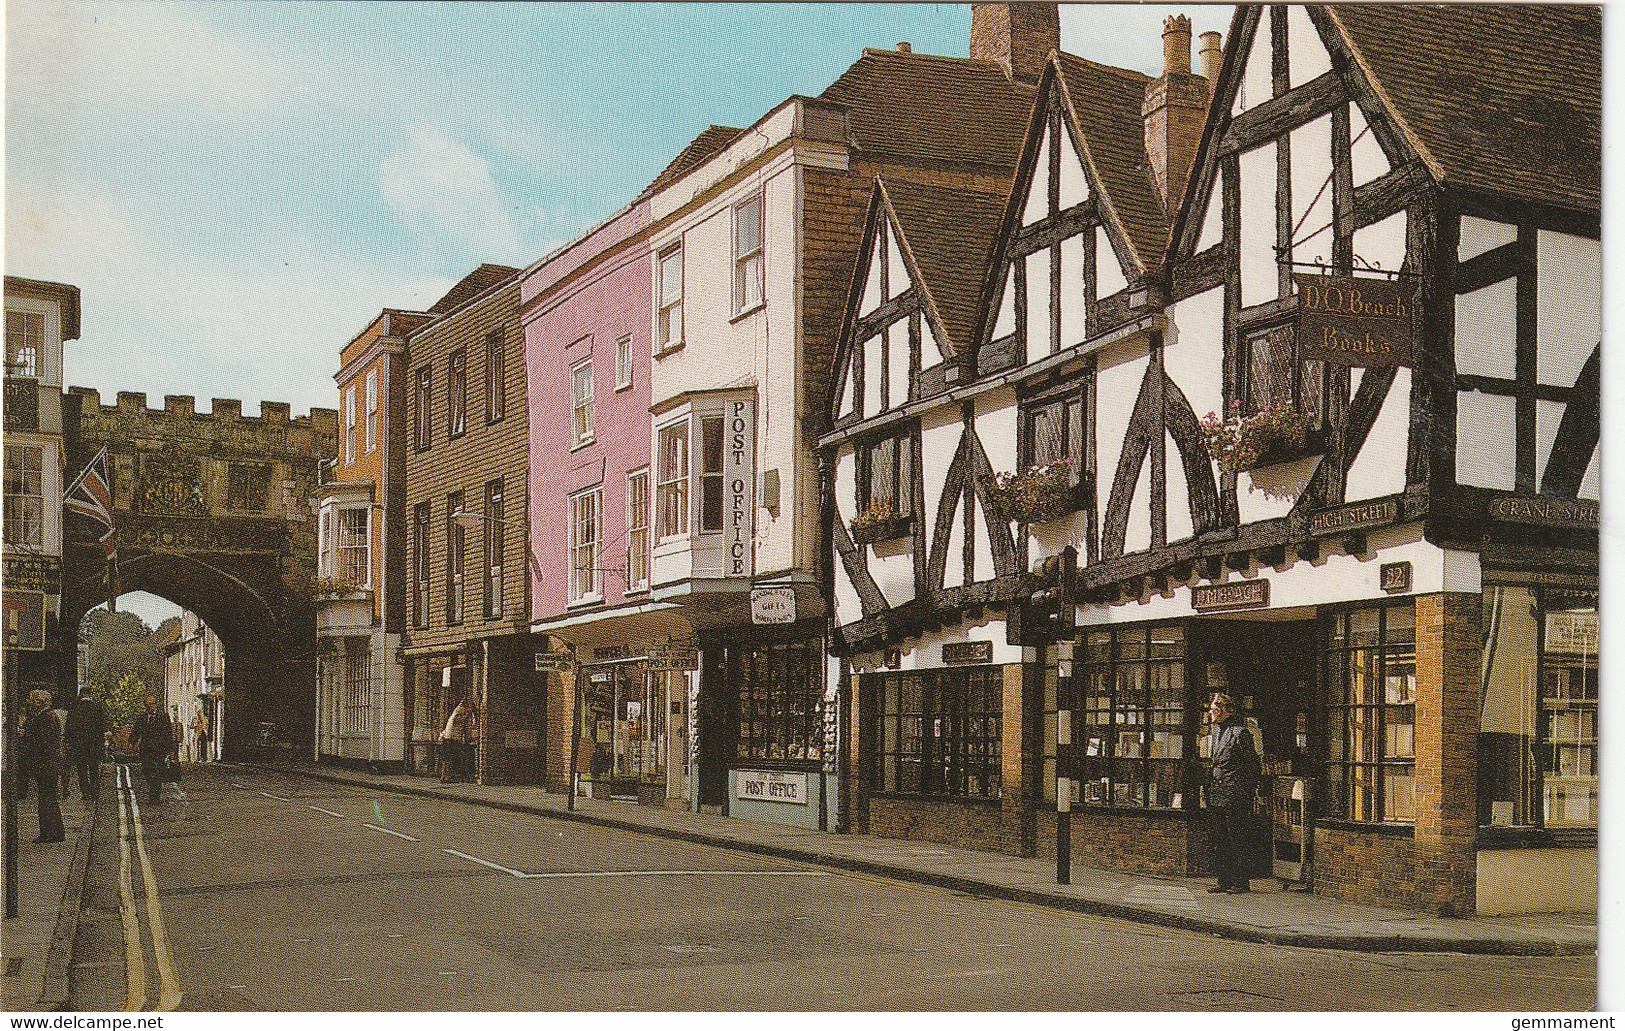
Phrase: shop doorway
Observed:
(624, 723)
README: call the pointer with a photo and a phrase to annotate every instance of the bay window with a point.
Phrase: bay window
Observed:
(673, 483)
(353, 565)
(711, 428)
(25, 342)
(25, 496)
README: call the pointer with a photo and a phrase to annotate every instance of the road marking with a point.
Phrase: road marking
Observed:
(394, 936)
(386, 830)
(236, 987)
(678, 873)
(329, 812)
(341, 980)
(135, 963)
(279, 798)
(169, 992)
(237, 785)
(477, 859)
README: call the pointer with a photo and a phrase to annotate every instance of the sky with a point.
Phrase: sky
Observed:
(237, 188)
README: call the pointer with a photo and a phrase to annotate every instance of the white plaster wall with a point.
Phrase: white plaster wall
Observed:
(1486, 429)
(1382, 244)
(996, 427)
(1259, 280)
(1379, 468)
(1047, 539)
(1257, 84)
(1366, 158)
(1074, 309)
(1487, 331)
(873, 354)
(1109, 276)
(897, 379)
(897, 277)
(1074, 183)
(1306, 54)
(1311, 189)
(1548, 415)
(891, 563)
(1005, 323)
(873, 295)
(925, 651)
(1037, 304)
(1117, 387)
(953, 569)
(1569, 320)
(1138, 537)
(847, 607)
(1480, 235)
(984, 548)
(1537, 880)
(1036, 207)
(1213, 221)
(940, 432)
(1331, 579)
(1591, 486)
(1180, 523)
(1194, 353)
(930, 351)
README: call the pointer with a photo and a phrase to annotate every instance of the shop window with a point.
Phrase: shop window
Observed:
(1369, 665)
(1132, 736)
(939, 732)
(25, 496)
(673, 486)
(1273, 377)
(886, 476)
(357, 694)
(781, 703)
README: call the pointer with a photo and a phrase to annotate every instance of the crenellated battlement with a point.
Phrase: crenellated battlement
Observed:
(98, 419)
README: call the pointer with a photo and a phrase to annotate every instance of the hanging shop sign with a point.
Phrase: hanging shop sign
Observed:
(739, 475)
(773, 605)
(1395, 577)
(1243, 594)
(1354, 517)
(967, 653)
(1571, 633)
(25, 620)
(1350, 321)
(1544, 511)
(673, 658)
(555, 662)
(41, 573)
(770, 786)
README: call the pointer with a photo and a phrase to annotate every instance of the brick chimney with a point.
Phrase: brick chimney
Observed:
(1175, 109)
(1018, 36)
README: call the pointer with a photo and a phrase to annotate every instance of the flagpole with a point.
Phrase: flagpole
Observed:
(77, 480)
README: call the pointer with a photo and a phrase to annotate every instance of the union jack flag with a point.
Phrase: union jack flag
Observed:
(91, 495)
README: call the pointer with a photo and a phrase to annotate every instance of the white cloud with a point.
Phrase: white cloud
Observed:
(445, 193)
(156, 57)
(166, 320)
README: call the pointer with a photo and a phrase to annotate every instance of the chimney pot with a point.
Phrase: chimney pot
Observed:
(1176, 45)
(1212, 53)
(904, 48)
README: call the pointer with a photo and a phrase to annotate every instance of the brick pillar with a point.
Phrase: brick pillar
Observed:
(1012, 756)
(561, 719)
(1448, 650)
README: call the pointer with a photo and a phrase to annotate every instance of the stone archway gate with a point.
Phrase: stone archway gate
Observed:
(213, 514)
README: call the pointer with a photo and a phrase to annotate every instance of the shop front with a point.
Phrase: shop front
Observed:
(622, 733)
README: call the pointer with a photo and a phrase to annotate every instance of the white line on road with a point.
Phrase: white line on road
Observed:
(279, 798)
(679, 873)
(329, 812)
(386, 830)
(477, 859)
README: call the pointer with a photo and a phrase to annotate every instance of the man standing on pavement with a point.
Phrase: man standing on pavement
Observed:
(41, 760)
(1230, 795)
(154, 737)
(87, 730)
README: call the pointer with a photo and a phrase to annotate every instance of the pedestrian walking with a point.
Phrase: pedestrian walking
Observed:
(200, 736)
(42, 762)
(177, 730)
(1230, 795)
(62, 765)
(154, 738)
(454, 744)
(87, 742)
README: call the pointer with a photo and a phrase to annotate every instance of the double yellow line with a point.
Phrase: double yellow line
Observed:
(135, 959)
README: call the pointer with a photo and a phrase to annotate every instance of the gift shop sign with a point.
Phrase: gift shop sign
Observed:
(770, 786)
(1349, 321)
(739, 518)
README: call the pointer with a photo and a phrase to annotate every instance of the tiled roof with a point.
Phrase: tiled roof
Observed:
(921, 107)
(471, 286)
(1106, 104)
(950, 232)
(1505, 99)
(712, 139)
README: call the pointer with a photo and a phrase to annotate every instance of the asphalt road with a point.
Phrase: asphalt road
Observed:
(284, 893)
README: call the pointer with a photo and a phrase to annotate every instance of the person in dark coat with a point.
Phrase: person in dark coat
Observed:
(1230, 794)
(42, 747)
(153, 737)
(87, 733)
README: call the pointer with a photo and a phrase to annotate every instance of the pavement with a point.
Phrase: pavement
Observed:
(1268, 914)
(38, 942)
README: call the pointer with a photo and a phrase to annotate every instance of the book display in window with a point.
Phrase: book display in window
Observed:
(1569, 713)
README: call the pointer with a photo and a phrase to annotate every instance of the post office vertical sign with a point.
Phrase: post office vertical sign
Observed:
(739, 523)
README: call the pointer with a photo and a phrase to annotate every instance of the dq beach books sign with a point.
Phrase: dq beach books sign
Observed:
(1349, 321)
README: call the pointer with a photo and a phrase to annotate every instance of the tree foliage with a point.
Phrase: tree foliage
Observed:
(126, 661)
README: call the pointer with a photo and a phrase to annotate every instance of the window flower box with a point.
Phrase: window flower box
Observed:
(329, 588)
(1268, 437)
(1037, 494)
(878, 522)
